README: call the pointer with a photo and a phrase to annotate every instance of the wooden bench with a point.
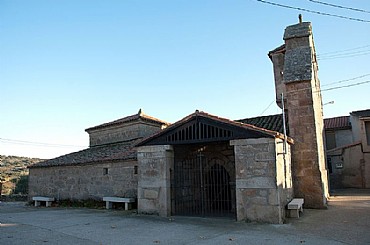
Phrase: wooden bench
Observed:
(48, 200)
(110, 200)
(295, 206)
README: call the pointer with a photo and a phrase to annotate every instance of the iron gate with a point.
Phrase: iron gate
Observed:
(202, 187)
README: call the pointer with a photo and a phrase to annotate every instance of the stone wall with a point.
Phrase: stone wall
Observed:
(263, 179)
(154, 186)
(122, 132)
(84, 182)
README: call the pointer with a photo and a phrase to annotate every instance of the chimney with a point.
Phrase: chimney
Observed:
(295, 71)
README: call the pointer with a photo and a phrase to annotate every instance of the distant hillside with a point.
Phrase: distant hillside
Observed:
(11, 170)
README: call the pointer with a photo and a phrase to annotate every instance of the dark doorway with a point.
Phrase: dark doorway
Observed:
(218, 190)
(204, 181)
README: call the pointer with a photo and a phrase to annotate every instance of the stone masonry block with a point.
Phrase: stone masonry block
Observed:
(256, 182)
(265, 214)
(151, 193)
(250, 141)
(154, 148)
(298, 65)
(299, 30)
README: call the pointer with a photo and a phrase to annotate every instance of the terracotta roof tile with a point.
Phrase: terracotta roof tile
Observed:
(139, 115)
(240, 123)
(272, 122)
(269, 125)
(280, 49)
(342, 122)
(97, 154)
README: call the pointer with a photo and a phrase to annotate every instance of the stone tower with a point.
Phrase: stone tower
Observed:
(295, 71)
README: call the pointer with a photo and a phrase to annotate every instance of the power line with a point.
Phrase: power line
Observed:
(349, 55)
(345, 86)
(339, 6)
(344, 56)
(328, 89)
(313, 12)
(346, 80)
(267, 107)
(23, 142)
(342, 51)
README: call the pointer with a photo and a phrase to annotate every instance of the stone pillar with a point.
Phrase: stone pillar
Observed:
(258, 193)
(303, 103)
(154, 183)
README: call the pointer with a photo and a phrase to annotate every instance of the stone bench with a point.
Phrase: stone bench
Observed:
(295, 206)
(48, 200)
(110, 200)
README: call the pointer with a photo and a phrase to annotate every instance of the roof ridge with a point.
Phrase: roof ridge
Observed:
(136, 116)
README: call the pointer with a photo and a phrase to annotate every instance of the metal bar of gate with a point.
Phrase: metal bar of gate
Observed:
(201, 183)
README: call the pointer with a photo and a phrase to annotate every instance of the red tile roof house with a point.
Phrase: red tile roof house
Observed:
(348, 150)
(205, 165)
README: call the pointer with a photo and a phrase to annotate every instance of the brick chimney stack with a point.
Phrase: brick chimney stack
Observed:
(295, 71)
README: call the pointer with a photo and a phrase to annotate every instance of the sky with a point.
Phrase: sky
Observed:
(69, 65)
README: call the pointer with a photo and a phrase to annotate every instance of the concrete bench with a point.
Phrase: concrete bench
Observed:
(48, 200)
(110, 200)
(295, 206)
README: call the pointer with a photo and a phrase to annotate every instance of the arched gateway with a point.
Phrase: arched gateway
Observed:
(204, 180)
(204, 165)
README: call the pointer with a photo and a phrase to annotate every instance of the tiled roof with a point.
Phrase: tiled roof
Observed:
(280, 49)
(239, 123)
(363, 113)
(97, 154)
(272, 122)
(269, 125)
(139, 115)
(342, 122)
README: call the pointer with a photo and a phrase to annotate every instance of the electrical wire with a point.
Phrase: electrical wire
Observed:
(328, 89)
(32, 143)
(339, 6)
(344, 86)
(342, 51)
(346, 80)
(313, 11)
(267, 108)
(345, 55)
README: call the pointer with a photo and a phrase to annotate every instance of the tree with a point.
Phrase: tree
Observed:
(21, 185)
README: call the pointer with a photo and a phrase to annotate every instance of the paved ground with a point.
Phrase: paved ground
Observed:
(346, 221)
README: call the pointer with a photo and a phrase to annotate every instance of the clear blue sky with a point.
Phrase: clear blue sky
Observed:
(72, 64)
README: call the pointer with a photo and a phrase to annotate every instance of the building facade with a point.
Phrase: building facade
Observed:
(205, 165)
(348, 150)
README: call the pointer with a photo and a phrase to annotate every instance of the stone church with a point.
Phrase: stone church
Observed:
(205, 165)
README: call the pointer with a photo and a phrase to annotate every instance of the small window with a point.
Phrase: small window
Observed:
(105, 171)
(135, 170)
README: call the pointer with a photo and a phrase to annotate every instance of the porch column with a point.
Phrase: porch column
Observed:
(258, 172)
(154, 182)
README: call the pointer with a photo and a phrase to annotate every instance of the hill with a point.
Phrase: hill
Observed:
(12, 168)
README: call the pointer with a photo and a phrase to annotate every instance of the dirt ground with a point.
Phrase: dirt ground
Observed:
(346, 221)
